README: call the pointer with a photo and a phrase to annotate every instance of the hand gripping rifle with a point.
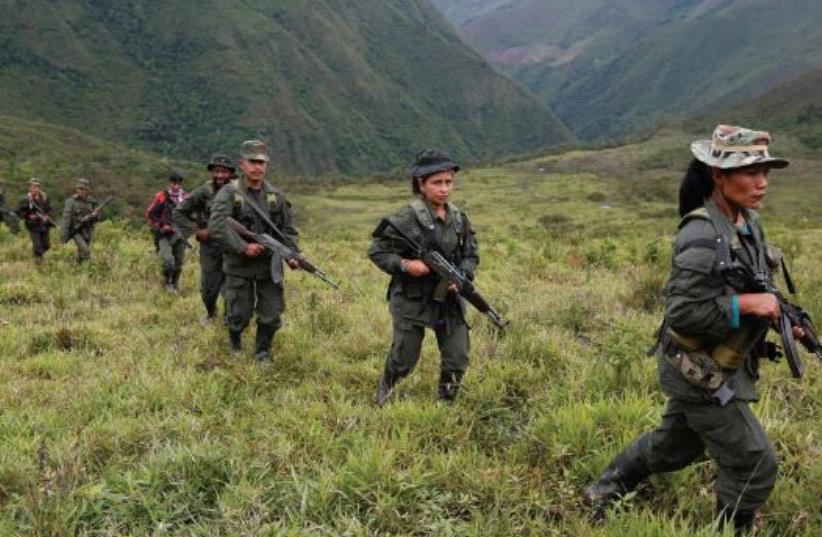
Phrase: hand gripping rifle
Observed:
(276, 247)
(88, 219)
(790, 316)
(42, 215)
(447, 272)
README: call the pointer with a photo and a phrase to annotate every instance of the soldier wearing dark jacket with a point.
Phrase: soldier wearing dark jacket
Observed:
(9, 217)
(711, 340)
(169, 243)
(253, 279)
(76, 208)
(192, 216)
(417, 298)
(35, 210)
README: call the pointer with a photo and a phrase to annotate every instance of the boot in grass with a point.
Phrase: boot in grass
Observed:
(385, 387)
(235, 340)
(615, 482)
(265, 334)
(741, 521)
(449, 385)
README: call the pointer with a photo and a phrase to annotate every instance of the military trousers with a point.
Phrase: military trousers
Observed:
(244, 296)
(172, 254)
(40, 241)
(83, 243)
(406, 345)
(211, 275)
(731, 435)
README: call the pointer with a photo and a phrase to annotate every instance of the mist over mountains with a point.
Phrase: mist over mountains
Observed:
(334, 86)
(609, 67)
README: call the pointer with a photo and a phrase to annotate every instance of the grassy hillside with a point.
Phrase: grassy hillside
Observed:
(59, 155)
(121, 415)
(334, 86)
(793, 108)
(610, 68)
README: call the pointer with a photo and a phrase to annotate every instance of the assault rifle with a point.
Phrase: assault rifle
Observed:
(447, 272)
(42, 215)
(276, 247)
(88, 219)
(790, 316)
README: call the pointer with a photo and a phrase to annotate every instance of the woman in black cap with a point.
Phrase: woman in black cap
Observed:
(417, 297)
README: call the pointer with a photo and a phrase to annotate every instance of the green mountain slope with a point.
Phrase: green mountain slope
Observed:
(793, 108)
(337, 86)
(609, 67)
(717, 58)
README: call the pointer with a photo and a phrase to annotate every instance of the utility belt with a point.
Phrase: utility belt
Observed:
(709, 369)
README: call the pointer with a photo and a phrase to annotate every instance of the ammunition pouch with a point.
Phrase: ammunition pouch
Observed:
(699, 367)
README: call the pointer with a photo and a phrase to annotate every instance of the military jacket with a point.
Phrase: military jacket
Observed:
(26, 207)
(699, 300)
(194, 212)
(229, 203)
(411, 300)
(74, 210)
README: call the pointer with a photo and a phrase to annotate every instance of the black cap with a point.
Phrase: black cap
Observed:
(175, 177)
(430, 161)
(222, 161)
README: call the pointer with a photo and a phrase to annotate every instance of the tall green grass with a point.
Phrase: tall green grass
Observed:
(121, 415)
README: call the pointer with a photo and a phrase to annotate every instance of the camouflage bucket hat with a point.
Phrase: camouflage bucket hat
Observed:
(82, 183)
(254, 150)
(736, 147)
(34, 182)
(430, 161)
(222, 161)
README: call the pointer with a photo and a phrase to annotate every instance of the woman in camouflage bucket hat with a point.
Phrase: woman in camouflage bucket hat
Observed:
(712, 336)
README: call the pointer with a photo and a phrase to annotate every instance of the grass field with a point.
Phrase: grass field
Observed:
(121, 415)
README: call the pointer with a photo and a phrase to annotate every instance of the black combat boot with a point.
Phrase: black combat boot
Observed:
(449, 385)
(620, 478)
(265, 333)
(742, 521)
(175, 278)
(385, 387)
(235, 340)
(168, 278)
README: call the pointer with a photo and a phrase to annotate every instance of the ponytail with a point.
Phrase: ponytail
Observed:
(696, 187)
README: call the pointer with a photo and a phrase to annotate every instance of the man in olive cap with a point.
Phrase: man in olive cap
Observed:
(169, 242)
(35, 210)
(76, 209)
(192, 216)
(253, 279)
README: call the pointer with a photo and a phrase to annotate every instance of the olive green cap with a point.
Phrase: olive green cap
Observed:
(254, 150)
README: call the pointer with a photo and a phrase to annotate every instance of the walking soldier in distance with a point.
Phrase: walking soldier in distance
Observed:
(253, 277)
(418, 298)
(35, 210)
(168, 240)
(191, 217)
(80, 213)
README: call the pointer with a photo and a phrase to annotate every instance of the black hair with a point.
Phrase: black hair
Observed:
(696, 187)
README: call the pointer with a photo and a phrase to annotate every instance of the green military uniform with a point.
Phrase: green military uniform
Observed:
(9, 217)
(708, 362)
(251, 283)
(75, 209)
(411, 300)
(194, 212)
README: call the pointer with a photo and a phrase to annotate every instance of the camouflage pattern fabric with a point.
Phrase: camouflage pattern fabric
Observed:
(735, 147)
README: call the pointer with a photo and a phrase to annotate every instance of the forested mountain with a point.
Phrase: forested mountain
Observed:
(607, 67)
(332, 85)
(793, 108)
